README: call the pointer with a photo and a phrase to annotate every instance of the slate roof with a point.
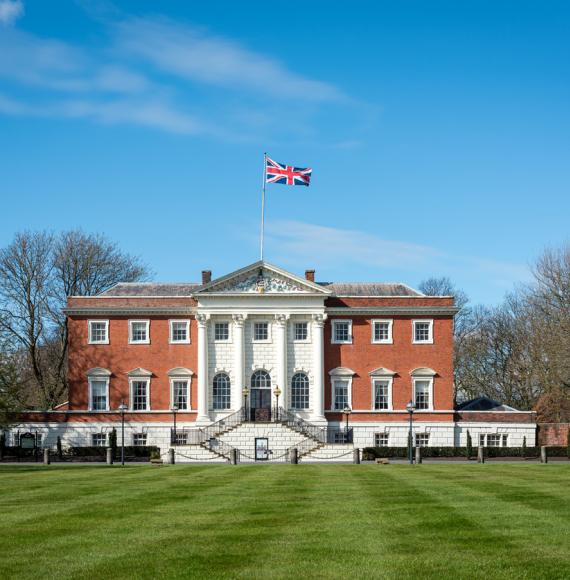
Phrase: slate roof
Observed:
(150, 289)
(485, 404)
(369, 289)
(186, 289)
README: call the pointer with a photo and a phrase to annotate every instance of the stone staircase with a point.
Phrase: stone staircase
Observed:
(330, 453)
(216, 442)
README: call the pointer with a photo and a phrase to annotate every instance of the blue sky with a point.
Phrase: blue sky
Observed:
(438, 133)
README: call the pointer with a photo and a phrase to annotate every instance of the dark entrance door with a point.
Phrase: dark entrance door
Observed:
(261, 404)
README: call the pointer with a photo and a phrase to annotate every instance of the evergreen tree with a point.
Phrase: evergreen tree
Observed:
(469, 445)
(113, 442)
(524, 446)
(59, 449)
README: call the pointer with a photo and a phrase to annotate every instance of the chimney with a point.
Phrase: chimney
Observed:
(206, 276)
(310, 275)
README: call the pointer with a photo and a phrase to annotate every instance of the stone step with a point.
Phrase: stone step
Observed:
(195, 454)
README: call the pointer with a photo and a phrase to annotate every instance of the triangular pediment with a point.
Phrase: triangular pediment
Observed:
(261, 278)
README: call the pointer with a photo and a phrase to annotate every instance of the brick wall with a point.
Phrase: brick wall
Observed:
(402, 357)
(553, 433)
(120, 357)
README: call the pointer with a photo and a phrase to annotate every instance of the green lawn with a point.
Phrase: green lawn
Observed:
(317, 521)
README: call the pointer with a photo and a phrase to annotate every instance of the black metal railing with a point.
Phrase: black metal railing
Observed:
(302, 427)
(223, 425)
(339, 435)
(219, 447)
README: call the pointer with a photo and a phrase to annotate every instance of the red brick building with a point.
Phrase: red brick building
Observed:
(221, 357)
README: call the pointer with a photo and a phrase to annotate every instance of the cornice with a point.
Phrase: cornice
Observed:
(387, 310)
(128, 310)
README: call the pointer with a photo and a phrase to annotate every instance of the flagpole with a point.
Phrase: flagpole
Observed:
(263, 202)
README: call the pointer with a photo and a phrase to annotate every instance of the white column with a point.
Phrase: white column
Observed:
(281, 357)
(237, 387)
(203, 416)
(318, 368)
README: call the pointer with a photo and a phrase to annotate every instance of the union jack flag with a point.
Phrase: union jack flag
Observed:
(286, 174)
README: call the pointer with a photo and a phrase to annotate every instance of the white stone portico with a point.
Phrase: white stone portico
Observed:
(261, 293)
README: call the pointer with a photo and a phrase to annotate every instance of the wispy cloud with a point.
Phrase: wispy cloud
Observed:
(152, 113)
(10, 11)
(54, 65)
(292, 242)
(200, 56)
(327, 245)
(160, 74)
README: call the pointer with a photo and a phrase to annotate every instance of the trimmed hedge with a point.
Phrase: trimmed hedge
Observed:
(371, 453)
(130, 451)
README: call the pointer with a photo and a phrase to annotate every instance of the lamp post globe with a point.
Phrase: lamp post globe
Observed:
(122, 409)
(277, 391)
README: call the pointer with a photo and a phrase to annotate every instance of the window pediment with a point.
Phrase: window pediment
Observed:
(99, 372)
(382, 372)
(341, 372)
(139, 372)
(179, 372)
(423, 372)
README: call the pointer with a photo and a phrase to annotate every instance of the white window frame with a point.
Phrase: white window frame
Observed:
(422, 434)
(222, 341)
(381, 434)
(333, 331)
(90, 339)
(90, 380)
(422, 320)
(188, 380)
(334, 379)
(93, 435)
(390, 382)
(268, 339)
(390, 323)
(171, 331)
(222, 409)
(147, 341)
(131, 398)
(430, 391)
(308, 394)
(140, 434)
(298, 341)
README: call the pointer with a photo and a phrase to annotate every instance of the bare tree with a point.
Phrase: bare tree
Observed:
(25, 278)
(84, 265)
(38, 270)
(462, 324)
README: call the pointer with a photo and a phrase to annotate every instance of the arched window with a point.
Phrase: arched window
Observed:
(260, 380)
(222, 391)
(300, 391)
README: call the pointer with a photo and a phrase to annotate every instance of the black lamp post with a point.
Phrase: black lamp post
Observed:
(122, 409)
(174, 410)
(277, 392)
(410, 407)
(245, 394)
(346, 411)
